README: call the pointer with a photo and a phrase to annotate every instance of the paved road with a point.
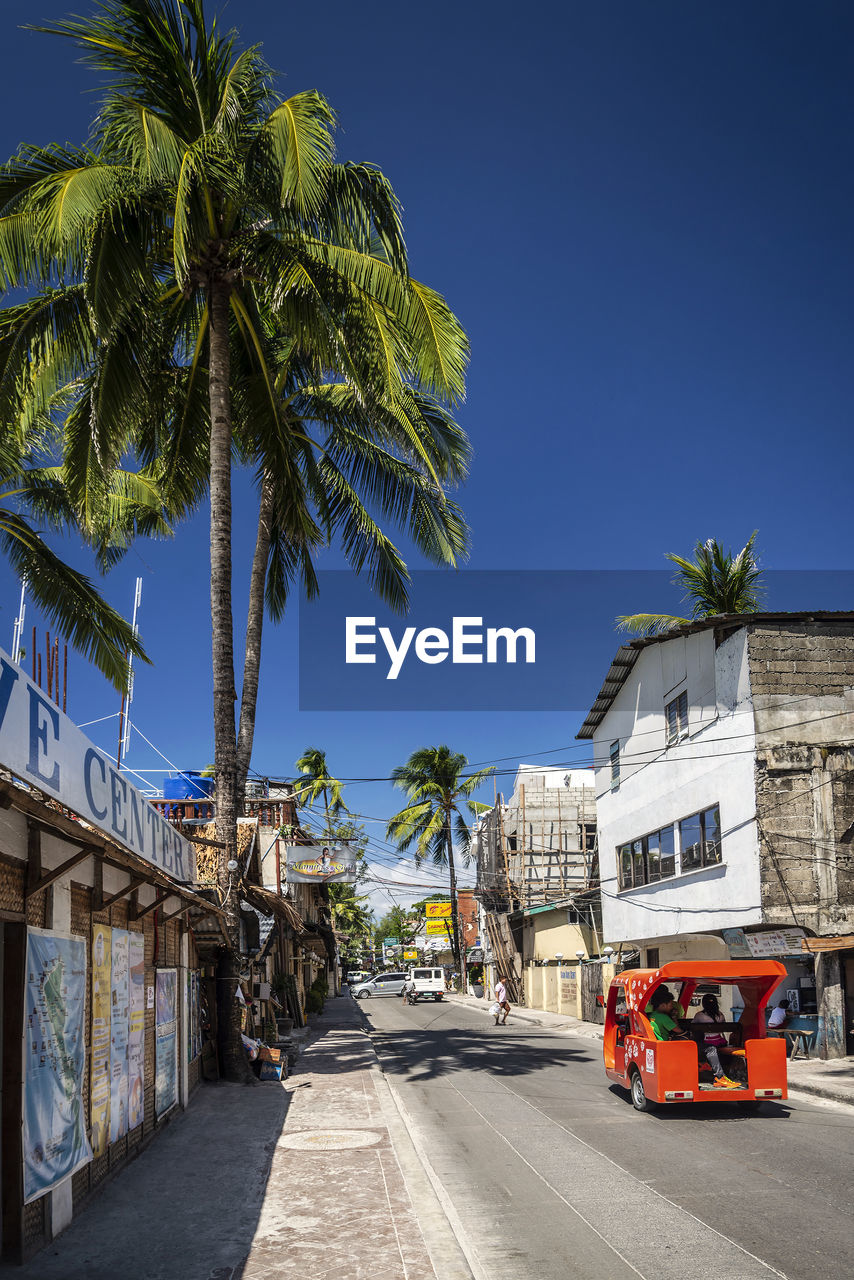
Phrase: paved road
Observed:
(554, 1175)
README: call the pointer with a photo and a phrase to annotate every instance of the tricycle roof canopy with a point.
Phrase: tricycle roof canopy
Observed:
(764, 975)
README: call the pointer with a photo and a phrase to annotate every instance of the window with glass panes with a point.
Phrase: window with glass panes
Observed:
(676, 718)
(695, 840)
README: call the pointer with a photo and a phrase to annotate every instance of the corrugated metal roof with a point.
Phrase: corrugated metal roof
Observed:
(627, 655)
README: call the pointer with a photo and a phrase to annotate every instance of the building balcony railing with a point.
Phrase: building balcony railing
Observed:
(270, 813)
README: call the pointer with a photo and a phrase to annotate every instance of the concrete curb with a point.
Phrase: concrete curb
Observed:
(825, 1092)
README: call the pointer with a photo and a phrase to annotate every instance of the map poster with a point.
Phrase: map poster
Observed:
(136, 1039)
(100, 1067)
(119, 1038)
(54, 1131)
(166, 1040)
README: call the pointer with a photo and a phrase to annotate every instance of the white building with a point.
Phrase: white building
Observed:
(723, 764)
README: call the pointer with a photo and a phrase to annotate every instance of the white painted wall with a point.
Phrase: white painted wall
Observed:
(660, 784)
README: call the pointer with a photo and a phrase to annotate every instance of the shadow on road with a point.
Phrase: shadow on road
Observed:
(708, 1111)
(428, 1053)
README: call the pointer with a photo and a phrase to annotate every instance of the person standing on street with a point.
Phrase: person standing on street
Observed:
(502, 1001)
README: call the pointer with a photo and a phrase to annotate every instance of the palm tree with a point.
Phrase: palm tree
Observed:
(436, 786)
(714, 582)
(207, 264)
(348, 915)
(316, 781)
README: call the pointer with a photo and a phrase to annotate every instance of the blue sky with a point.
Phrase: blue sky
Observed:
(642, 215)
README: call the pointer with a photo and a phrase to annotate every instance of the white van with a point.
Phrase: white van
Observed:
(428, 982)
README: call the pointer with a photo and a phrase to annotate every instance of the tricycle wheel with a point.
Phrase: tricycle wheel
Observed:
(640, 1101)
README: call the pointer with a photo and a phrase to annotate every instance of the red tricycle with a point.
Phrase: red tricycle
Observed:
(675, 1070)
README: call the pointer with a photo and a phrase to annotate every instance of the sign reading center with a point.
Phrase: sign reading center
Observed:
(41, 744)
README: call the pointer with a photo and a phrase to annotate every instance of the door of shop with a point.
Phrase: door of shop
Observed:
(591, 993)
(848, 979)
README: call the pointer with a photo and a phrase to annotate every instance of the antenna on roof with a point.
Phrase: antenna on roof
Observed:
(18, 631)
(127, 692)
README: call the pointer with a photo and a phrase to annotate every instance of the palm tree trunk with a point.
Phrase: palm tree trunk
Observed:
(234, 1064)
(254, 627)
(452, 874)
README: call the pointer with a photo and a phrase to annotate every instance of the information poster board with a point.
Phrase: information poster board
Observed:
(54, 1129)
(166, 1040)
(136, 1036)
(101, 1023)
(119, 1031)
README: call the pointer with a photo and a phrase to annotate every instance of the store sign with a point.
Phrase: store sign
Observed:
(763, 946)
(410, 955)
(321, 864)
(437, 928)
(42, 745)
(438, 910)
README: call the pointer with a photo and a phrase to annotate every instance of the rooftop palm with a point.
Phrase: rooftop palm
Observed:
(714, 582)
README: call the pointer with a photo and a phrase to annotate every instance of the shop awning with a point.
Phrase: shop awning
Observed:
(274, 904)
(91, 843)
(845, 943)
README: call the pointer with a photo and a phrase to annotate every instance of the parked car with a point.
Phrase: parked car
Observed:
(384, 984)
(429, 983)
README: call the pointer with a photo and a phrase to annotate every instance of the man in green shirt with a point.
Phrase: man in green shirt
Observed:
(664, 1027)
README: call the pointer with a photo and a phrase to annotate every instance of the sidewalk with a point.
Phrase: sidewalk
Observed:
(313, 1176)
(832, 1080)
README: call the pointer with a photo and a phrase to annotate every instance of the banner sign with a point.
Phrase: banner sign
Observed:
(166, 1041)
(119, 1032)
(763, 946)
(437, 928)
(54, 1129)
(410, 955)
(101, 1025)
(321, 864)
(43, 746)
(438, 910)
(136, 1026)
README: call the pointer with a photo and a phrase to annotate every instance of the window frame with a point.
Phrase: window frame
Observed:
(636, 852)
(680, 726)
(614, 759)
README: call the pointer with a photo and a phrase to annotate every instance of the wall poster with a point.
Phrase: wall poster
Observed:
(136, 1035)
(119, 1036)
(54, 1129)
(166, 1040)
(99, 1089)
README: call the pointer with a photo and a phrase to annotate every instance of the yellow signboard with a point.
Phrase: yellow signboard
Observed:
(437, 928)
(410, 955)
(437, 910)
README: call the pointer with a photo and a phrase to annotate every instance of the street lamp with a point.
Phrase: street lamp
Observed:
(607, 952)
(580, 955)
(558, 957)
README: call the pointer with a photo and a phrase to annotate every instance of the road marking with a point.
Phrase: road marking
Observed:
(554, 1190)
(673, 1203)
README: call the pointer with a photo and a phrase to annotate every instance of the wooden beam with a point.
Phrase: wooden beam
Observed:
(173, 914)
(152, 906)
(129, 888)
(214, 844)
(58, 872)
(34, 858)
